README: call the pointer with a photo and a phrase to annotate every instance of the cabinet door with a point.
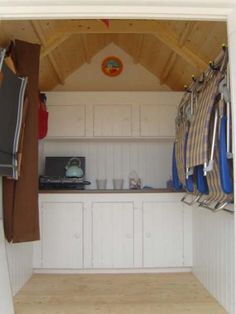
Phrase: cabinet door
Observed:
(66, 121)
(112, 120)
(162, 234)
(61, 232)
(157, 120)
(112, 235)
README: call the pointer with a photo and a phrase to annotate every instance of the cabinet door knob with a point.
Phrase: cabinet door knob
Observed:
(77, 235)
(148, 234)
(129, 235)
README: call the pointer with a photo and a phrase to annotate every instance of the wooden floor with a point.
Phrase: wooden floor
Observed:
(115, 294)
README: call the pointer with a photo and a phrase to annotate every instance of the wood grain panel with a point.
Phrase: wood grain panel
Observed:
(123, 294)
(196, 42)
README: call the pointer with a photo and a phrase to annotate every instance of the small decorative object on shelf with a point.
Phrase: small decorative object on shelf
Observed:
(134, 180)
(112, 66)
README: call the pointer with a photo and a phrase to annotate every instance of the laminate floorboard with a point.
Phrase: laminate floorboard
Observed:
(115, 294)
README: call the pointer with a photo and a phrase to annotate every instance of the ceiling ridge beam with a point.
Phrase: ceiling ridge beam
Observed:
(41, 37)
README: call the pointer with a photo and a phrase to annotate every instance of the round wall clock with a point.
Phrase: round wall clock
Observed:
(112, 66)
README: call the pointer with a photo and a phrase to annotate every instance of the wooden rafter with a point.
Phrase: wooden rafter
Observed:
(169, 39)
(41, 37)
(173, 56)
(161, 32)
(138, 49)
(168, 68)
(53, 44)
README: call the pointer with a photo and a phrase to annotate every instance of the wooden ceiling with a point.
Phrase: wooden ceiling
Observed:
(172, 50)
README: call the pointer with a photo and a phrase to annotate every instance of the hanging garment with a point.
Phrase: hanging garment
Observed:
(2, 55)
(43, 116)
(12, 93)
(20, 198)
(11, 65)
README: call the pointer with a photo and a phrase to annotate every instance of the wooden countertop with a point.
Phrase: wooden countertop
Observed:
(91, 191)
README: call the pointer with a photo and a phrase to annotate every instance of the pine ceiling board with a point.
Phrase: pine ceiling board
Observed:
(47, 77)
(207, 39)
(4, 40)
(127, 42)
(69, 56)
(49, 27)
(21, 30)
(154, 55)
(177, 27)
(115, 26)
(181, 75)
(96, 42)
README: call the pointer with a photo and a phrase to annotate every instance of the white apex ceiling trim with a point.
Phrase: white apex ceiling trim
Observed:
(175, 9)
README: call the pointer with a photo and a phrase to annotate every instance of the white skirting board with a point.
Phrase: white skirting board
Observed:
(115, 271)
(213, 254)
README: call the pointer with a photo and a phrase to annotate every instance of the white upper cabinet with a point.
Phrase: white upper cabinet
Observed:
(112, 120)
(157, 120)
(96, 115)
(66, 121)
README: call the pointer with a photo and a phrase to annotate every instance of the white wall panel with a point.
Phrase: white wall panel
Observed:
(213, 254)
(106, 159)
(6, 304)
(20, 264)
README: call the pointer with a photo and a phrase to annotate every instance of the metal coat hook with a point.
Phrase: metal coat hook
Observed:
(224, 47)
(187, 89)
(213, 66)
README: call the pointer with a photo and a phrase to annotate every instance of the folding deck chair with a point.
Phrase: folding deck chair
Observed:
(12, 93)
(202, 153)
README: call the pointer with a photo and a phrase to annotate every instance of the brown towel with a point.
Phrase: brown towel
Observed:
(20, 198)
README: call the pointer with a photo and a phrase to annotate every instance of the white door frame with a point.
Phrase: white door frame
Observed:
(139, 9)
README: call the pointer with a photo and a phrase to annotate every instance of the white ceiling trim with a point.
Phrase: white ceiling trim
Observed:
(176, 9)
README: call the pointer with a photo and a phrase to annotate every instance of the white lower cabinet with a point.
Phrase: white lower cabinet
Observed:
(163, 234)
(112, 235)
(62, 235)
(89, 231)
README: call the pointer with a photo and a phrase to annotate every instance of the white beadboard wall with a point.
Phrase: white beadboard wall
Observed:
(20, 264)
(19, 259)
(116, 159)
(213, 254)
